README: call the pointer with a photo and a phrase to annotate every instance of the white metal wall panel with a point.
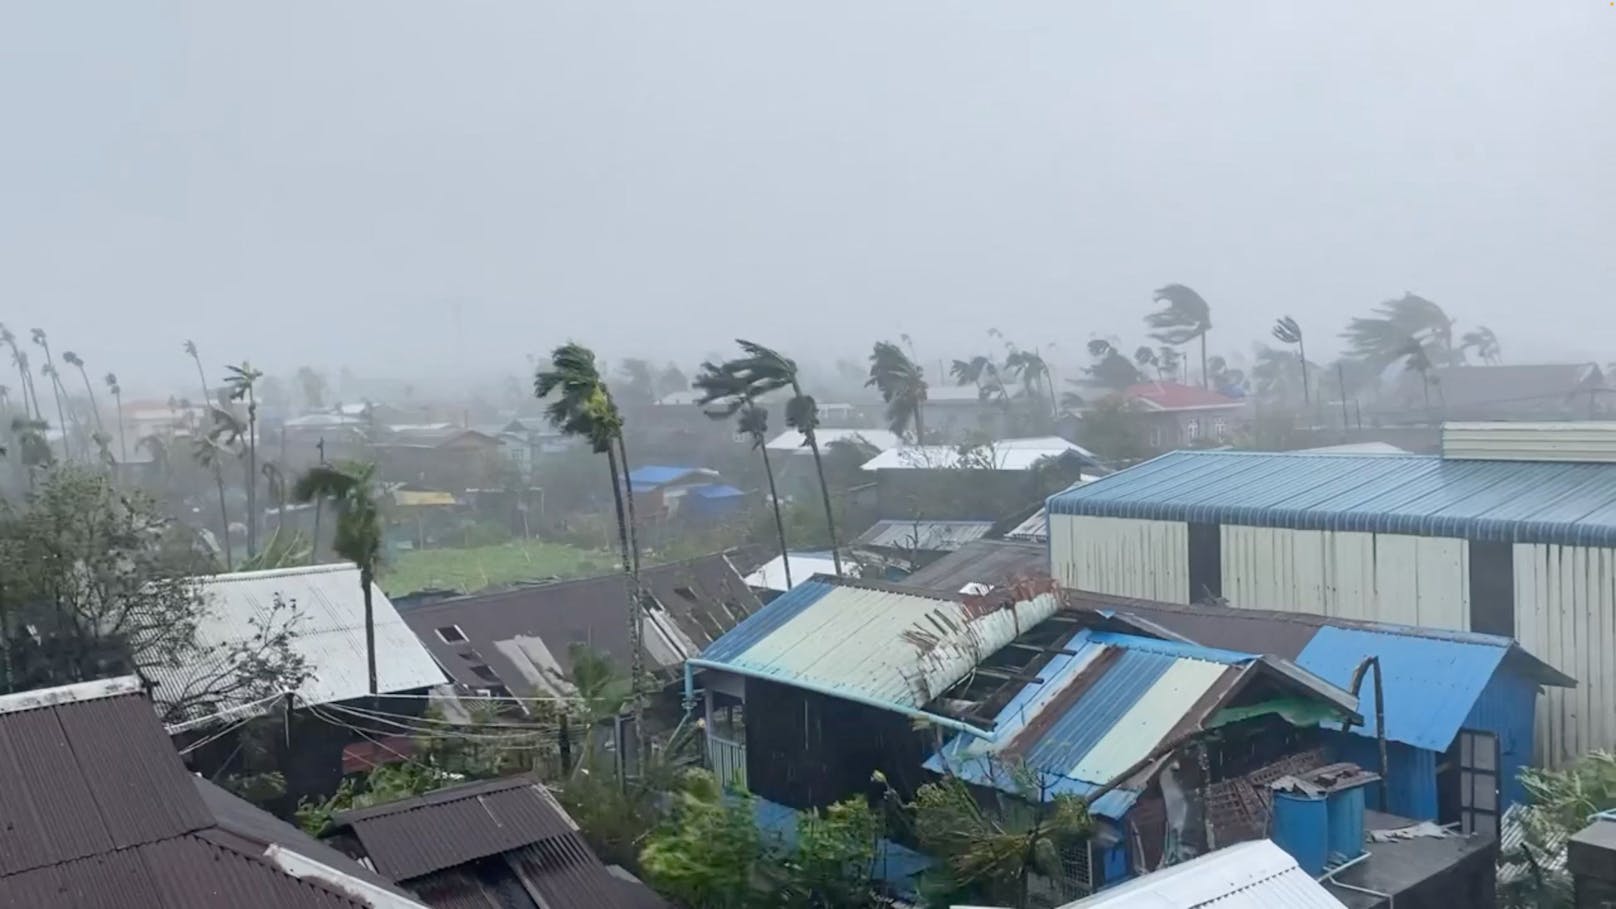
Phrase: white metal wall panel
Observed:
(1121, 556)
(1580, 442)
(1565, 613)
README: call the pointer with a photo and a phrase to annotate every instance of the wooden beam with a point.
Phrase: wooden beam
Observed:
(1036, 649)
(992, 673)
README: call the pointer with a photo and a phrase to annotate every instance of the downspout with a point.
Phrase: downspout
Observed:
(1380, 719)
(690, 687)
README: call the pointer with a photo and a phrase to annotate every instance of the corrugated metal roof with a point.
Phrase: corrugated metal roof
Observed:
(329, 633)
(1002, 454)
(804, 565)
(1431, 684)
(992, 563)
(1034, 530)
(1409, 494)
(792, 440)
(875, 643)
(651, 476)
(1097, 712)
(448, 827)
(929, 536)
(1251, 875)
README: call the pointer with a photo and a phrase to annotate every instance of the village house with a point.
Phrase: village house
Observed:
(1174, 415)
(1511, 532)
(982, 483)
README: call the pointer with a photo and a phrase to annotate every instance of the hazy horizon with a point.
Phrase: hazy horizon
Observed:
(326, 184)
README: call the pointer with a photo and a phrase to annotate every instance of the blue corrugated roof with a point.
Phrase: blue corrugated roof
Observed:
(716, 491)
(1502, 501)
(1431, 684)
(650, 476)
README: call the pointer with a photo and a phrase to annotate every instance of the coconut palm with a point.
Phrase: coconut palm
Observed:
(211, 450)
(242, 382)
(982, 372)
(731, 396)
(1287, 331)
(211, 460)
(1482, 340)
(117, 399)
(583, 408)
(1029, 368)
(350, 488)
(33, 449)
(1185, 318)
(902, 384)
(1418, 360)
(1382, 339)
(275, 479)
(49, 372)
(1111, 369)
(74, 360)
(30, 409)
(762, 370)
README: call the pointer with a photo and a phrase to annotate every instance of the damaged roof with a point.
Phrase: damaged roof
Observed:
(1103, 703)
(992, 563)
(521, 638)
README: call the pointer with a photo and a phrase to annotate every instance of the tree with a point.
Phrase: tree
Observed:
(208, 453)
(1185, 318)
(1028, 367)
(91, 589)
(33, 449)
(1111, 369)
(635, 382)
(49, 372)
(242, 381)
(1277, 375)
(583, 408)
(982, 372)
(1287, 331)
(21, 360)
(1382, 339)
(350, 488)
(117, 398)
(103, 442)
(1224, 378)
(1482, 340)
(1559, 803)
(762, 370)
(1418, 360)
(313, 386)
(730, 394)
(902, 384)
(670, 380)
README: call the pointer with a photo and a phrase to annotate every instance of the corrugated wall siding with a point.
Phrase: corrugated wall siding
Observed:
(1121, 556)
(1384, 577)
(1565, 614)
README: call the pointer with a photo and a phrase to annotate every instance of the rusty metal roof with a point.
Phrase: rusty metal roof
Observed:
(522, 637)
(98, 811)
(992, 563)
(449, 827)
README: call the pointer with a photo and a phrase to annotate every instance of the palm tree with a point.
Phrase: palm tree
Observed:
(49, 371)
(117, 398)
(1029, 367)
(103, 442)
(33, 449)
(1484, 343)
(350, 488)
(275, 479)
(902, 384)
(982, 372)
(1171, 362)
(1111, 369)
(210, 451)
(1287, 331)
(1382, 339)
(242, 381)
(211, 459)
(21, 360)
(713, 382)
(1185, 318)
(1419, 361)
(763, 370)
(583, 408)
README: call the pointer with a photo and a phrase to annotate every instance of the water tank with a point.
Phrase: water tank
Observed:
(1345, 807)
(1301, 824)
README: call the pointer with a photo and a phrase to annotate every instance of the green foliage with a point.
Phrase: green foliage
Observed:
(834, 857)
(283, 548)
(706, 854)
(478, 568)
(902, 384)
(350, 487)
(1113, 429)
(1559, 804)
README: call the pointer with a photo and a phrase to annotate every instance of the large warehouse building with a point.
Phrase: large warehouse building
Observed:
(1511, 531)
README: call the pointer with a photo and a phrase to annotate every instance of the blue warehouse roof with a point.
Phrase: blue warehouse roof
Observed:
(1499, 501)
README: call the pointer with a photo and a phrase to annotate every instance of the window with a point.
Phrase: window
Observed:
(1220, 428)
(451, 634)
(485, 673)
(1155, 437)
(1192, 430)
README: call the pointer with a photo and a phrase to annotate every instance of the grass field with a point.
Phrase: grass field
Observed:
(470, 570)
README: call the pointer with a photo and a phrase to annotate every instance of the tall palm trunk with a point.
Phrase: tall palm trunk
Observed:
(123, 451)
(61, 412)
(367, 578)
(633, 519)
(95, 408)
(1203, 361)
(635, 625)
(218, 475)
(22, 372)
(774, 500)
(1307, 391)
(252, 474)
(824, 491)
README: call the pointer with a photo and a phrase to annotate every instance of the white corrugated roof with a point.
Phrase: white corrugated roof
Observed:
(329, 633)
(791, 439)
(1004, 454)
(1254, 875)
(804, 565)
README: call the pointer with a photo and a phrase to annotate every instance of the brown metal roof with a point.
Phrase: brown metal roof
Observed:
(696, 600)
(991, 562)
(96, 810)
(1281, 634)
(442, 829)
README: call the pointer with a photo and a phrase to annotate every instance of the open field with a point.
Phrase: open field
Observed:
(479, 567)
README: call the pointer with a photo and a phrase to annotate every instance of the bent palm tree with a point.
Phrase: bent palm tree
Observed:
(982, 372)
(902, 384)
(21, 360)
(1185, 318)
(1382, 339)
(713, 382)
(212, 460)
(763, 370)
(358, 535)
(49, 372)
(584, 409)
(103, 442)
(117, 398)
(1484, 343)
(1287, 331)
(242, 382)
(1029, 367)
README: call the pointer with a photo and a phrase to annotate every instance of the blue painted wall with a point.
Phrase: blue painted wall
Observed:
(1410, 777)
(1507, 708)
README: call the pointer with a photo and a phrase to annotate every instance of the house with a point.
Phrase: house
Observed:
(696, 493)
(1168, 743)
(100, 812)
(1176, 415)
(770, 578)
(897, 548)
(1255, 873)
(1448, 695)
(1551, 391)
(1511, 532)
(983, 482)
(326, 610)
(518, 642)
(980, 565)
(503, 842)
(440, 456)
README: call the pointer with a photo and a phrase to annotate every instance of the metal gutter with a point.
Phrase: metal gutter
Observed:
(945, 722)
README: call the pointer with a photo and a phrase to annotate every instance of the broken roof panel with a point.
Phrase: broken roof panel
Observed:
(928, 536)
(991, 563)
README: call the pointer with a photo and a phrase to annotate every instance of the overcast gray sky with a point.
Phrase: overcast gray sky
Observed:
(319, 182)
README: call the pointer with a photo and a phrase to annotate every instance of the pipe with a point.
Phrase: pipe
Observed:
(690, 687)
(1380, 719)
(1328, 878)
(830, 692)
